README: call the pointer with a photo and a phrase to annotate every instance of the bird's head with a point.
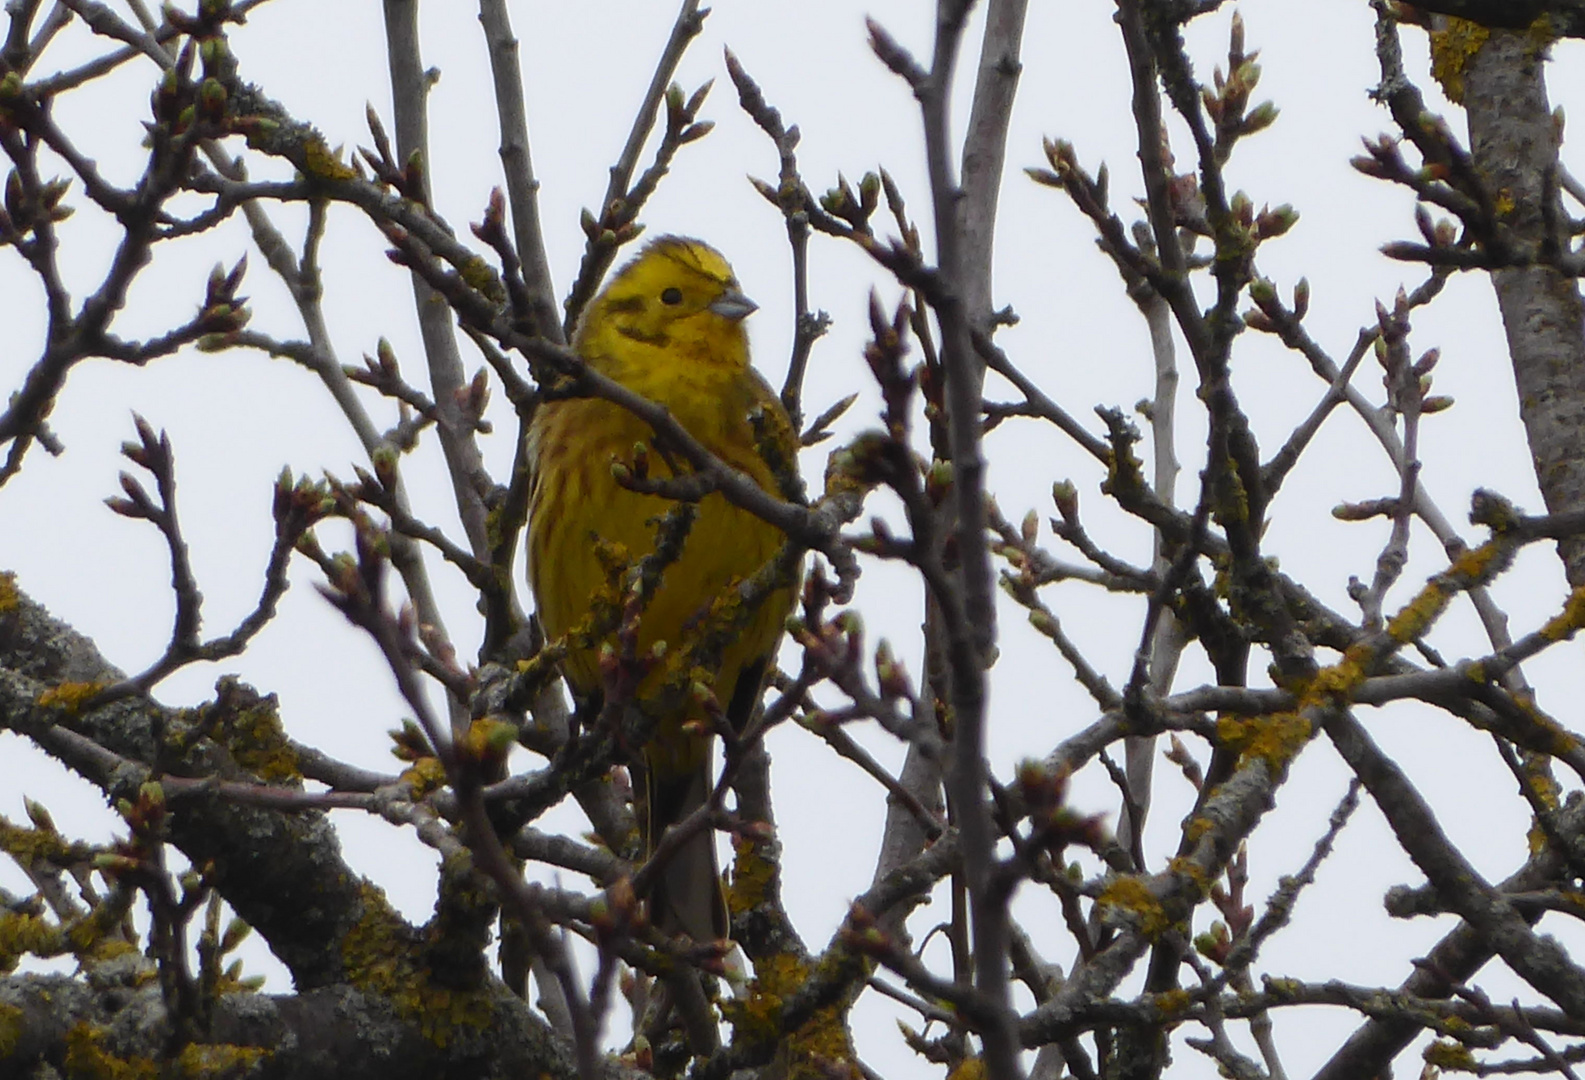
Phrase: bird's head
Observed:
(676, 293)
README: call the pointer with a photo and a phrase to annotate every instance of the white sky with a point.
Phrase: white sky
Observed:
(236, 418)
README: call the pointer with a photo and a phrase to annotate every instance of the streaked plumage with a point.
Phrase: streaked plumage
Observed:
(669, 326)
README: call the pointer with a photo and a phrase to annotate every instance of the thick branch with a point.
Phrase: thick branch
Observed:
(1514, 143)
(336, 1031)
(283, 873)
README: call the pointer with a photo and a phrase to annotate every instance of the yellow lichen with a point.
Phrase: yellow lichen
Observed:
(820, 1048)
(23, 935)
(380, 958)
(87, 1057)
(478, 274)
(1416, 617)
(1543, 788)
(1288, 988)
(1446, 1054)
(1131, 898)
(1563, 741)
(1275, 739)
(1333, 685)
(488, 738)
(1542, 782)
(425, 775)
(1124, 475)
(1476, 565)
(10, 1029)
(9, 596)
(374, 949)
(98, 935)
(1194, 873)
(108, 948)
(1541, 34)
(1451, 50)
(258, 742)
(1567, 622)
(752, 877)
(757, 1016)
(198, 1061)
(1232, 504)
(1172, 1002)
(323, 163)
(1222, 579)
(1535, 838)
(69, 696)
(32, 845)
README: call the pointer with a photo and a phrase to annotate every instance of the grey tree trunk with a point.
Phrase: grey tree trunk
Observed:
(1514, 139)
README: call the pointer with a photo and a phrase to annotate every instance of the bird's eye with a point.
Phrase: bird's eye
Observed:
(671, 296)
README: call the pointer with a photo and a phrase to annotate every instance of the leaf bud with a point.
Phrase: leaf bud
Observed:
(1261, 117)
(869, 192)
(1066, 497)
(1029, 529)
(37, 814)
(236, 933)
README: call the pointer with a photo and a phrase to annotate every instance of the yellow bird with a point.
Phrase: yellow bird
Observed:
(669, 326)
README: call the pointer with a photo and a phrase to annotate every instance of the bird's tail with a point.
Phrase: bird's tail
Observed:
(686, 895)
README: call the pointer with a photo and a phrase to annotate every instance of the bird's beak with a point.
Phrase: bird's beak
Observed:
(733, 305)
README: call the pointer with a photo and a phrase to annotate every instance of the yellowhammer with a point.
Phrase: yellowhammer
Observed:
(669, 326)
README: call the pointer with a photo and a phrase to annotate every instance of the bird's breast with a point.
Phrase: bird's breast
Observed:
(576, 503)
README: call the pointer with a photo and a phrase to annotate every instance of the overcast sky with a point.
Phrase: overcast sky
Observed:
(237, 418)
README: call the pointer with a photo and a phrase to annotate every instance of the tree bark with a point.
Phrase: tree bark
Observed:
(1514, 140)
